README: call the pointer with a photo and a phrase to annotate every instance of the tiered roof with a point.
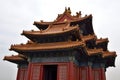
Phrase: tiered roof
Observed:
(18, 59)
(99, 41)
(46, 46)
(52, 30)
(78, 27)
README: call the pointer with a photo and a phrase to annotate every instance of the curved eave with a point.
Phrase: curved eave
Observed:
(15, 59)
(88, 37)
(82, 18)
(44, 24)
(37, 34)
(85, 20)
(107, 54)
(100, 41)
(46, 46)
(109, 58)
(41, 23)
(75, 20)
(92, 52)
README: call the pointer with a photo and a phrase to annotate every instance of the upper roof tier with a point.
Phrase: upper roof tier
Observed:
(63, 18)
(52, 32)
(54, 29)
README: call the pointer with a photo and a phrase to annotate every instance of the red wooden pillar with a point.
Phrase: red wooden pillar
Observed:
(71, 71)
(84, 73)
(41, 72)
(76, 72)
(99, 72)
(22, 73)
(103, 77)
(29, 71)
(90, 75)
(18, 73)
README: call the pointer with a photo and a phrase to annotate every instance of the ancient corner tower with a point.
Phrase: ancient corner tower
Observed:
(65, 49)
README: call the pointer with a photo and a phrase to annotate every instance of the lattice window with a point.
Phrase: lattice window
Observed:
(36, 72)
(63, 72)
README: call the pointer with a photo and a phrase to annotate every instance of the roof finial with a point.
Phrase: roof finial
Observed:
(78, 14)
(67, 10)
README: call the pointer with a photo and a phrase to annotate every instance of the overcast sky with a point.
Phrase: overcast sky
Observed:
(19, 15)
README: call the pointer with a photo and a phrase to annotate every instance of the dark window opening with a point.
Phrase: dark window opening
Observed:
(50, 72)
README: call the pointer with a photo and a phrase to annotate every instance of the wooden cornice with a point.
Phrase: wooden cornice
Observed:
(46, 46)
(108, 54)
(16, 59)
(91, 52)
(88, 37)
(52, 30)
(101, 40)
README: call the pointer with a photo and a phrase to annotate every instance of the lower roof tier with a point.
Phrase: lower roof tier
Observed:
(18, 59)
(37, 47)
(109, 54)
(46, 46)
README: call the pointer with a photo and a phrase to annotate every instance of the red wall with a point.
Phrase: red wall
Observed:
(65, 71)
(36, 71)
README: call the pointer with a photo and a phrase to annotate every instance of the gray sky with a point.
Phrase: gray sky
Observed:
(19, 15)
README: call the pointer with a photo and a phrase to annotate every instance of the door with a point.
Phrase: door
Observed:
(50, 72)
